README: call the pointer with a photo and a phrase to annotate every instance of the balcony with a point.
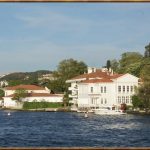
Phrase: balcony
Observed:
(72, 88)
(73, 96)
(94, 94)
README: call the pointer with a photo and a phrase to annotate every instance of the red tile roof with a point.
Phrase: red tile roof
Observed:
(26, 87)
(38, 95)
(98, 74)
(116, 76)
(43, 95)
(97, 81)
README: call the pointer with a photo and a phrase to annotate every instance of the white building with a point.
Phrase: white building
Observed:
(100, 87)
(35, 93)
(47, 77)
(3, 83)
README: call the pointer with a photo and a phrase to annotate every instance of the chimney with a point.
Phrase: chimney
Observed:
(91, 69)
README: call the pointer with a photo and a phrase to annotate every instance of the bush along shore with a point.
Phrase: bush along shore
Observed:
(44, 106)
(41, 106)
(138, 112)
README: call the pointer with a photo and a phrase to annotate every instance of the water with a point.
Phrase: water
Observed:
(61, 129)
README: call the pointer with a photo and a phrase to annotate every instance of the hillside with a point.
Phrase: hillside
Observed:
(24, 77)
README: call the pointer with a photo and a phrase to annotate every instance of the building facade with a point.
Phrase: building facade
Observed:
(34, 94)
(101, 87)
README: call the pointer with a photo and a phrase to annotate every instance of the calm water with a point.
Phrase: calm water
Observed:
(23, 129)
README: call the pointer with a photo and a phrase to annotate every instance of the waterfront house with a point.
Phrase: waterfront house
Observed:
(34, 93)
(102, 87)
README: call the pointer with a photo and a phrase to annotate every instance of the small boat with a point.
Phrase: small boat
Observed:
(86, 115)
(108, 110)
(8, 114)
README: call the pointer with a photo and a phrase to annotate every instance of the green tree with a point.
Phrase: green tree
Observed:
(108, 64)
(68, 69)
(144, 89)
(134, 68)
(14, 82)
(145, 70)
(114, 65)
(137, 102)
(19, 94)
(2, 93)
(130, 60)
(144, 95)
(66, 99)
(147, 51)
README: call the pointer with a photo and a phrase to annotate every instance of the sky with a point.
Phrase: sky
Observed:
(37, 36)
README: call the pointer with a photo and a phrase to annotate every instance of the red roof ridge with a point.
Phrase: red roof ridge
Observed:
(26, 87)
(105, 80)
(38, 95)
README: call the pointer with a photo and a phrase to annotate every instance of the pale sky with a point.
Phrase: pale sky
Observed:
(37, 36)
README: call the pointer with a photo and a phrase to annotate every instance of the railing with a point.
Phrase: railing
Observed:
(71, 96)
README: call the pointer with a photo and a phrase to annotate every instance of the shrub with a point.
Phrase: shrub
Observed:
(36, 105)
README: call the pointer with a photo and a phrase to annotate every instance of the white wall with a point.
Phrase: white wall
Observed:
(85, 96)
(9, 103)
(127, 81)
(46, 99)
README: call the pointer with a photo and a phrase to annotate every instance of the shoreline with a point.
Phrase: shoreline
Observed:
(138, 112)
(40, 109)
(68, 110)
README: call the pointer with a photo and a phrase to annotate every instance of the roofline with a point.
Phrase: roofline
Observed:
(55, 95)
(74, 80)
(127, 74)
(97, 83)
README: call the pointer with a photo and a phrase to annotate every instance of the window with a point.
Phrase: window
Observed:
(105, 101)
(130, 99)
(101, 100)
(123, 99)
(91, 89)
(119, 99)
(101, 89)
(123, 88)
(119, 88)
(104, 89)
(92, 69)
(92, 101)
(131, 89)
(127, 99)
(127, 88)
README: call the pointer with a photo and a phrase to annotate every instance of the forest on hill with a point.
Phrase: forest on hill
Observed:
(17, 78)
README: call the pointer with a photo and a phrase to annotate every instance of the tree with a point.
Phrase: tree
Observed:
(144, 89)
(129, 59)
(65, 99)
(134, 68)
(145, 71)
(19, 94)
(147, 51)
(144, 95)
(2, 93)
(14, 82)
(68, 69)
(108, 64)
(137, 102)
(114, 65)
